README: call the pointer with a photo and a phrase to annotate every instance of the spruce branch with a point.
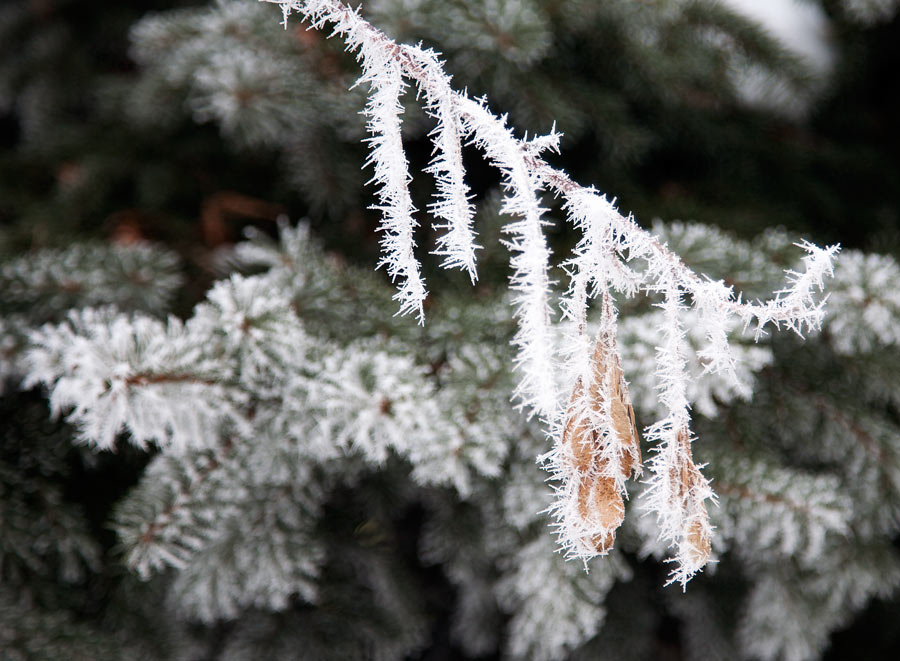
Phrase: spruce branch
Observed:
(610, 240)
(161, 527)
(767, 510)
(138, 374)
(133, 276)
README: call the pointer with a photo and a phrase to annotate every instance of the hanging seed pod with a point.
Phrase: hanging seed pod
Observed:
(698, 538)
(696, 535)
(601, 506)
(579, 436)
(609, 385)
(596, 420)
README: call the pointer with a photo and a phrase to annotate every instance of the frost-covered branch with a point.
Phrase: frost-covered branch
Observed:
(592, 435)
(391, 172)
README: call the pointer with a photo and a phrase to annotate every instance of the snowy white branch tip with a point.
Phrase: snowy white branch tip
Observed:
(587, 408)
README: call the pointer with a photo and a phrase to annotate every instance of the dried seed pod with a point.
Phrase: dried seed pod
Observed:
(697, 538)
(579, 436)
(685, 477)
(590, 444)
(600, 507)
(608, 385)
(600, 504)
(688, 486)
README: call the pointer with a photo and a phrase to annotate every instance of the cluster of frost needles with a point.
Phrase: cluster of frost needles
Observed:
(587, 409)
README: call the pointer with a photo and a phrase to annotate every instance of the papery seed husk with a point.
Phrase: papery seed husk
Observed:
(607, 372)
(600, 504)
(608, 503)
(578, 435)
(584, 499)
(623, 422)
(698, 540)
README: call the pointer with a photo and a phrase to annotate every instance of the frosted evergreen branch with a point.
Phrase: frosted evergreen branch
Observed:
(244, 362)
(678, 490)
(767, 510)
(864, 303)
(138, 275)
(137, 375)
(558, 607)
(782, 511)
(161, 527)
(772, 497)
(279, 567)
(790, 615)
(833, 412)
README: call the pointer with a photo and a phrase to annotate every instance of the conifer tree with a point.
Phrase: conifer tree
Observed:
(279, 465)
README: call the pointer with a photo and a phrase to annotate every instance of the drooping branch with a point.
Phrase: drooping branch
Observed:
(453, 205)
(391, 172)
(793, 307)
(587, 444)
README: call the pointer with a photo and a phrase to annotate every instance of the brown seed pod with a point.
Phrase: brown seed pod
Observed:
(625, 426)
(578, 435)
(599, 503)
(689, 475)
(698, 539)
(609, 385)
(696, 535)
(600, 506)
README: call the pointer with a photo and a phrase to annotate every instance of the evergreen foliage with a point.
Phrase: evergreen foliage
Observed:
(291, 470)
